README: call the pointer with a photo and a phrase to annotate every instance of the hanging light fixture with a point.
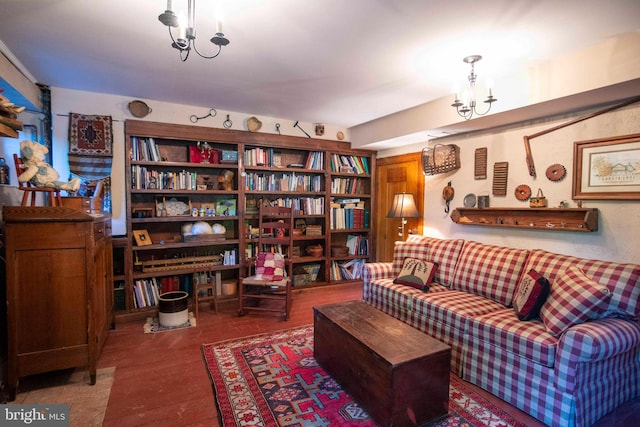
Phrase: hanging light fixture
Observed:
(467, 106)
(186, 39)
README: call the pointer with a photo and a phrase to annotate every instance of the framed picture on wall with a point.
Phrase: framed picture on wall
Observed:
(607, 168)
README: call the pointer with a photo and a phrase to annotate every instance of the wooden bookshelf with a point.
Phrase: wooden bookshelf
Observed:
(266, 168)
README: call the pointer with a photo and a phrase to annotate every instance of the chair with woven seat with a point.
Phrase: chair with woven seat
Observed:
(268, 289)
(205, 282)
(31, 190)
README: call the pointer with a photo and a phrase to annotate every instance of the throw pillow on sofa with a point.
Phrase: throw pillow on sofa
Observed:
(530, 294)
(416, 273)
(574, 298)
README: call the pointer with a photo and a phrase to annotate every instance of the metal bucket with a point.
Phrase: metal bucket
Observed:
(483, 201)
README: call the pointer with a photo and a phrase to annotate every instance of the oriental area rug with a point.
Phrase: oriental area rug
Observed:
(274, 380)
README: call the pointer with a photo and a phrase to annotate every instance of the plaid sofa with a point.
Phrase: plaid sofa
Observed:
(571, 379)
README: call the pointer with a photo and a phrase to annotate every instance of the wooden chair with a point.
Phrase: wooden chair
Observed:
(260, 292)
(205, 280)
(30, 189)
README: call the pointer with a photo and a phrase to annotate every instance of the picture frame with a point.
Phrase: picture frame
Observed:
(607, 168)
(142, 237)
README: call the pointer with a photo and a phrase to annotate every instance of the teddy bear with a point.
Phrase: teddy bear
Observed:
(39, 172)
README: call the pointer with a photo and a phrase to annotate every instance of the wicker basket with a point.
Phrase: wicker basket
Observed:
(440, 159)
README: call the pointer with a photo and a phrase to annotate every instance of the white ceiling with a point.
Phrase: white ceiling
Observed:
(343, 62)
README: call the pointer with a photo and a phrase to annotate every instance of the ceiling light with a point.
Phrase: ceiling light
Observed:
(186, 39)
(467, 106)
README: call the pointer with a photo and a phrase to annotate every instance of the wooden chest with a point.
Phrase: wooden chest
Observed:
(396, 373)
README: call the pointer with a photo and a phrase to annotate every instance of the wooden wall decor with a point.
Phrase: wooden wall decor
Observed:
(480, 167)
(500, 175)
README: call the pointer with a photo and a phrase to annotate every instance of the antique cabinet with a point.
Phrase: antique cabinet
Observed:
(59, 300)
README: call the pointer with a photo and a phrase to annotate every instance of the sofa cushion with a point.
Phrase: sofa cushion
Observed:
(455, 309)
(404, 250)
(623, 280)
(489, 271)
(503, 329)
(416, 273)
(530, 294)
(445, 252)
(574, 298)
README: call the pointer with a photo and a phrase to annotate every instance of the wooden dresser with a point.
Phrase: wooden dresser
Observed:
(59, 301)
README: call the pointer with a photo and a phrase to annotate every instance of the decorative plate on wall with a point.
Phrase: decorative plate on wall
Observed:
(470, 200)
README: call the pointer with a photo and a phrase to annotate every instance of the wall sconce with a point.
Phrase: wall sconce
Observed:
(403, 206)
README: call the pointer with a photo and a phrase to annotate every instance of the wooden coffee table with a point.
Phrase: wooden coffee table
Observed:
(396, 373)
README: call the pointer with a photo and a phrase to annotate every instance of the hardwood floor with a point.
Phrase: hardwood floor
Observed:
(160, 379)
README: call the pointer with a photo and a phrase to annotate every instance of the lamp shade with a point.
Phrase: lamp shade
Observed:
(403, 206)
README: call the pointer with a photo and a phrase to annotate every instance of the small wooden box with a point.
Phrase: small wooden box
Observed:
(397, 374)
(82, 204)
(313, 230)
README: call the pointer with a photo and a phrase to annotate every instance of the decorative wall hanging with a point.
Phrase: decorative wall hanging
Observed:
(527, 145)
(556, 172)
(447, 195)
(607, 168)
(212, 113)
(440, 159)
(90, 145)
(480, 167)
(139, 108)
(523, 192)
(500, 175)
(253, 124)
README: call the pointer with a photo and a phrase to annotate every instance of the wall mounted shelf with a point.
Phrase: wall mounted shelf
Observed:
(559, 219)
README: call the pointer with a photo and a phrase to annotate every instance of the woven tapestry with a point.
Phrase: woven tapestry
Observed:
(90, 145)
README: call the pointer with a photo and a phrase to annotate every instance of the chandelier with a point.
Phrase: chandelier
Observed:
(467, 106)
(186, 39)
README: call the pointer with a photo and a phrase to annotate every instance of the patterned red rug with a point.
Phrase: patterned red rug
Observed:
(273, 380)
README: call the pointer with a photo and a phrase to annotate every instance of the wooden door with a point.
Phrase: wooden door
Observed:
(396, 174)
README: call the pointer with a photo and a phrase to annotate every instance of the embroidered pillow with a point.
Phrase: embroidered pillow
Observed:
(270, 266)
(416, 273)
(574, 298)
(530, 294)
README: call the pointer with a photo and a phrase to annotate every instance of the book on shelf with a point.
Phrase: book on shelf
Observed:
(357, 244)
(315, 160)
(346, 270)
(144, 149)
(357, 164)
(146, 293)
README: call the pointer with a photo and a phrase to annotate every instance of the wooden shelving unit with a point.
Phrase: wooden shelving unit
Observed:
(557, 219)
(265, 168)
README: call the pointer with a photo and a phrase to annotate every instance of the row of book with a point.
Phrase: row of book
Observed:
(348, 163)
(347, 270)
(143, 178)
(301, 205)
(144, 149)
(315, 160)
(349, 214)
(348, 218)
(357, 244)
(270, 158)
(283, 182)
(262, 157)
(252, 249)
(146, 292)
(349, 186)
